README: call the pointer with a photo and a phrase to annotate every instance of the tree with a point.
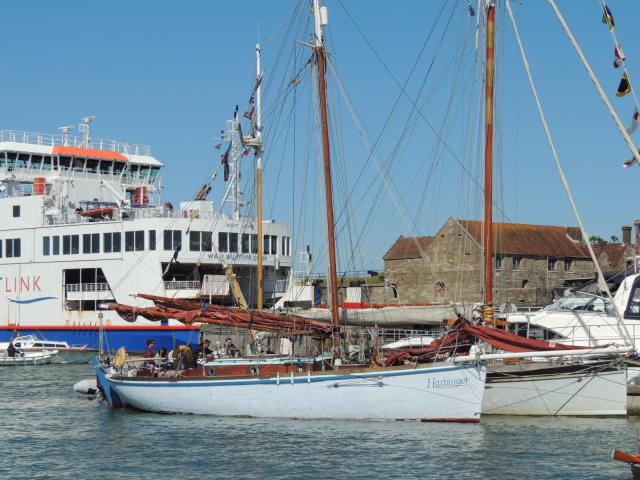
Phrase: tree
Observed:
(614, 239)
(595, 239)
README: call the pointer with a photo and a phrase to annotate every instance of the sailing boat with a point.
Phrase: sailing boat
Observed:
(434, 391)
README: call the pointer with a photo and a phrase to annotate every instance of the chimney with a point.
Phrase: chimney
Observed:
(574, 234)
(626, 234)
(637, 224)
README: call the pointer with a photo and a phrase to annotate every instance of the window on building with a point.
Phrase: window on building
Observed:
(0, 248)
(91, 243)
(172, 240)
(283, 246)
(551, 264)
(75, 244)
(16, 211)
(233, 242)
(266, 244)
(499, 262)
(254, 243)
(12, 247)
(56, 244)
(517, 263)
(152, 239)
(223, 242)
(569, 264)
(245, 242)
(139, 240)
(274, 244)
(70, 244)
(46, 246)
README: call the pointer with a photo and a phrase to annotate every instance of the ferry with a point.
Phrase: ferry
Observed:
(83, 223)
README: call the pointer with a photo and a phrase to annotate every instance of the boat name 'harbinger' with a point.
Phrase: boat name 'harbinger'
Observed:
(446, 382)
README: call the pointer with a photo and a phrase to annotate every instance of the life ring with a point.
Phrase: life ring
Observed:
(182, 357)
(120, 359)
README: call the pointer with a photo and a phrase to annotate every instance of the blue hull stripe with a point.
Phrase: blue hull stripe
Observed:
(285, 380)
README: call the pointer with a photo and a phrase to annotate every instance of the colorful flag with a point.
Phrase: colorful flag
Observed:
(635, 121)
(625, 87)
(245, 152)
(630, 162)
(224, 159)
(607, 18)
(620, 58)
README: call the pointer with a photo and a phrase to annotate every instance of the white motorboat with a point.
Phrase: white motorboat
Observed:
(28, 358)
(66, 353)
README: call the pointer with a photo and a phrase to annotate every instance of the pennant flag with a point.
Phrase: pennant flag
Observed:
(625, 87)
(607, 18)
(218, 146)
(620, 58)
(635, 121)
(224, 159)
(245, 152)
(629, 163)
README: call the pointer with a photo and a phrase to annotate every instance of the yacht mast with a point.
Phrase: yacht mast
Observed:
(488, 167)
(320, 17)
(258, 135)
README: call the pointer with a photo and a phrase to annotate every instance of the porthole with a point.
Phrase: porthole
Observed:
(254, 370)
(212, 371)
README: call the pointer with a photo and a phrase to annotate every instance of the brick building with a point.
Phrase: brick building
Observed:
(530, 260)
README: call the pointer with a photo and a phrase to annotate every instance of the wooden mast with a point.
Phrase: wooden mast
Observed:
(320, 53)
(488, 168)
(258, 135)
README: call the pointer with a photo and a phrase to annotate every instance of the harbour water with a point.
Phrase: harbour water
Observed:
(48, 431)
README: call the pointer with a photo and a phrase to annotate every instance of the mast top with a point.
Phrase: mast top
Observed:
(321, 18)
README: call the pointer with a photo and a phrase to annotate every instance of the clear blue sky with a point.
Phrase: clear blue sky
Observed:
(169, 74)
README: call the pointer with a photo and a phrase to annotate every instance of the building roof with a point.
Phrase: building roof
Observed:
(405, 248)
(533, 240)
(615, 251)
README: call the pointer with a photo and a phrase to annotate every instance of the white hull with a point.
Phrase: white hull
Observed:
(40, 358)
(452, 393)
(568, 393)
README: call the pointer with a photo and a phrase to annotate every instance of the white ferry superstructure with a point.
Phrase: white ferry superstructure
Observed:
(83, 224)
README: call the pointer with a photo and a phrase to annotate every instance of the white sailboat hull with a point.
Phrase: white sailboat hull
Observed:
(562, 391)
(29, 358)
(447, 393)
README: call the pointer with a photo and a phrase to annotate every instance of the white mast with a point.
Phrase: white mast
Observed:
(258, 150)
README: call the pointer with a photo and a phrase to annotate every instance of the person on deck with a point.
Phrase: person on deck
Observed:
(230, 348)
(148, 353)
(12, 350)
(205, 351)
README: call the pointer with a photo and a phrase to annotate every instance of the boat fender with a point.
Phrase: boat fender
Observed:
(120, 359)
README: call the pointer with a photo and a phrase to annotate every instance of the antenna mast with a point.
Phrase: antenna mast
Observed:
(321, 19)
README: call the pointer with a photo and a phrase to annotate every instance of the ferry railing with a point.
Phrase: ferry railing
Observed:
(73, 141)
(182, 285)
(88, 287)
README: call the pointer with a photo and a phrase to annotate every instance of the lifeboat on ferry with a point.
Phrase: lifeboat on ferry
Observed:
(98, 212)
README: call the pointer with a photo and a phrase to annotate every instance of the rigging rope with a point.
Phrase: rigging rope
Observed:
(585, 236)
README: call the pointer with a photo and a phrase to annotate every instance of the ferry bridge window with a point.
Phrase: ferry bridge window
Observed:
(22, 161)
(46, 163)
(266, 244)
(105, 167)
(117, 168)
(152, 239)
(11, 158)
(274, 244)
(56, 245)
(172, 239)
(91, 243)
(92, 166)
(245, 241)
(207, 241)
(254, 243)
(64, 163)
(12, 247)
(194, 241)
(46, 246)
(134, 241)
(36, 160)
(223, 242)
(112, 242)
(233, 242)
(16, 211)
